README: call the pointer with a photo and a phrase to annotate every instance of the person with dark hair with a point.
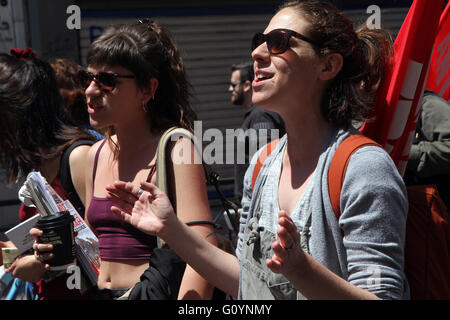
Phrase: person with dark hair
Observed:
(72, 92)
(265, 125)
(136, 89)
(34, 133)
(319, 74)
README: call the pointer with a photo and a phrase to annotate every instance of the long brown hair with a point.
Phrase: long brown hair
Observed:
(148, 50)
(366, 53)
(34, 125)
(71, 89)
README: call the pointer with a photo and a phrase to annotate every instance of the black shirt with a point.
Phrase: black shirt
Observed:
(255, 119)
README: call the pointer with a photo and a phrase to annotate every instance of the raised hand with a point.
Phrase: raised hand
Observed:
(288, 255)
(147, 208)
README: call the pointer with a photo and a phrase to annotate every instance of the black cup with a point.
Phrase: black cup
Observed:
(58, 230)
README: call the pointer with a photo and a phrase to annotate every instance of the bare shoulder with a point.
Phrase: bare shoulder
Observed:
(78, 158)
(82, 157)
(182, 141)
(184, 152)
(88, 151)
(79, 153)
(185, 166)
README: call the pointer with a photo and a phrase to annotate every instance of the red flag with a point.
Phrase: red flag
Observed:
(439, 75)
(396, 107)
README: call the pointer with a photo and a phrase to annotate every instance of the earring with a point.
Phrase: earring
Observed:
(144, 107)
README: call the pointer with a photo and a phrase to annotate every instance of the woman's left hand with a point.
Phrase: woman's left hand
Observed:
(287, 251)
(27, 268)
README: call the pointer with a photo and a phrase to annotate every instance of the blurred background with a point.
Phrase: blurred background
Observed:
(212, 35)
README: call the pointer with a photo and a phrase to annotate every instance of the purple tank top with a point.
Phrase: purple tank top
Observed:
(117, 239)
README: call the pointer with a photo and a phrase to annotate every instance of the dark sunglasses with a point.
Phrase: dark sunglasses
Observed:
(106, 80)
(278, 40)
(234, 84)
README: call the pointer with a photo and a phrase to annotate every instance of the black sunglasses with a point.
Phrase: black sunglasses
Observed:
(234, 84)
(278, 40)
(106, 80)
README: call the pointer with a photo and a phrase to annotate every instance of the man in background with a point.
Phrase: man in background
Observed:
(255, 118)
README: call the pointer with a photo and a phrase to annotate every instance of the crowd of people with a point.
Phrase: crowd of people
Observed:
(312, 76)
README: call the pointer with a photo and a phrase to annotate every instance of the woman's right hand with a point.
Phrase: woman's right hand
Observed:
(27, 268)
(150, 212)
(42, 251)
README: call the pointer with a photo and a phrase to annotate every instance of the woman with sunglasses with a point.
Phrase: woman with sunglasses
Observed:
(319, 74)
(136, 88)
(35, 132)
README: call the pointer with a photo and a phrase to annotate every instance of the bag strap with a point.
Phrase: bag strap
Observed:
(268, 148)
(161, 174)
(66, 177)
(161, 170)
(338, 167)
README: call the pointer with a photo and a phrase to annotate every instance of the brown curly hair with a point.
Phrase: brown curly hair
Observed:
(367, 54)
(34, 126)
(71, 90)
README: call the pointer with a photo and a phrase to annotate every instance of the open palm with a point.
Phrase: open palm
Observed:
(149, 213)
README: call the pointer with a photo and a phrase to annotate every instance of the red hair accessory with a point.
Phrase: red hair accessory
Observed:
(23, 53)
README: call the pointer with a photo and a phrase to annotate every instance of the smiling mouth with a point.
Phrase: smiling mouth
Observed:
(92, 108)
(261, 77)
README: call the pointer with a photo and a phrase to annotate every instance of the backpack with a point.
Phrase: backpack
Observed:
(427, 243)
(66, 178)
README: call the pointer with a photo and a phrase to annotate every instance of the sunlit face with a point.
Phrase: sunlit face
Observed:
(283, 79)
(110, 108)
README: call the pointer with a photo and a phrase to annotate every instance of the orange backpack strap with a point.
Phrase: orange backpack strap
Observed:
(338, 167)
(262, 157)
